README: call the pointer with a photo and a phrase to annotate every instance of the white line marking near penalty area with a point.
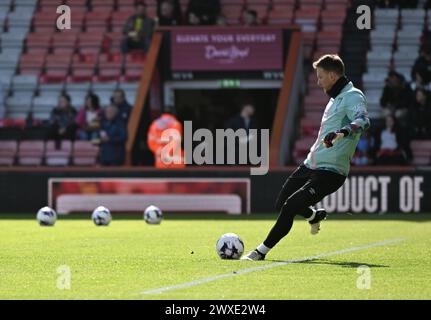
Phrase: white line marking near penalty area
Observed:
(267, 266)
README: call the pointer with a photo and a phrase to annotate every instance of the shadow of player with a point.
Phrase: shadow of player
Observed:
(343, 264)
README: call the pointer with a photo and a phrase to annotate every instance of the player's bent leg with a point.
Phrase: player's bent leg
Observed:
(298, 203)
(323, 183)
(295, 181)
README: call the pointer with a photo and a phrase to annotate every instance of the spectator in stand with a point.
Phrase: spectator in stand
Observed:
(138, 30)
(88, 118)
(62, 120)
(244, 120)
(418, 83)
(206, 10)
(221, 21)
(396, 97)
(422, 66)
(249, 18)
(392, 144)
(168, 15)
(176, 9)
(193, 19)
(119, 100)
(113, 137)
(421, 115)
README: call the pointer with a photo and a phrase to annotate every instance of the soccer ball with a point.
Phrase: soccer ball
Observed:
(230, 246)
(101, 216)
(153, 215)
(46, 216)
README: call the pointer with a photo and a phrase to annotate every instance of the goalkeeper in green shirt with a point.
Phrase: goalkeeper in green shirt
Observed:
(328, 162)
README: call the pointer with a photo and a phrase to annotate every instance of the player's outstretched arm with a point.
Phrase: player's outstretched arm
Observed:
(361, 122)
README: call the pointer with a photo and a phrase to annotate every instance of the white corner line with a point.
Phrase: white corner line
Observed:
(267, 266)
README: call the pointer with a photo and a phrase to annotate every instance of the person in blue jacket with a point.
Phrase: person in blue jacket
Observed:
(113, 137)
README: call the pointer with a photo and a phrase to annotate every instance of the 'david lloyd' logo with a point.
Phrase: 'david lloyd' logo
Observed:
(227, 54)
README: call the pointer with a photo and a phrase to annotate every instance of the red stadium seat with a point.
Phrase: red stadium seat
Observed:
(77, 3)
(281, 14)
(111, 41)
(99, 18)
(30, 153)
(38, 40)
(45, 21)
(58, 156)
(32, 63)
(421, 150)
(232, 11)
(56, 68)
(83, 68)
(8, 151)
(90, 40)
(84, 153)
(95, 4)
(110, 67)
(133, 74)
(310, 4)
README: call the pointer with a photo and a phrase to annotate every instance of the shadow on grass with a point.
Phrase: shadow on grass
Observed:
(343, 264)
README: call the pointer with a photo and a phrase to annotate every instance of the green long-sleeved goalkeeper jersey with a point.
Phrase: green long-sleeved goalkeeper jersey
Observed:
(347, 111)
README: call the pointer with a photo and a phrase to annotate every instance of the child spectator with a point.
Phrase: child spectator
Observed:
(392, 144)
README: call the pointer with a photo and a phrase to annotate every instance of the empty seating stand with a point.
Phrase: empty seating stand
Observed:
(84, 153)
(421, 150)
(30, 153)
(58, 154)
(8, 151)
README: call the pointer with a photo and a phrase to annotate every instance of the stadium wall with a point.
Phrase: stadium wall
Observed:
(370, 190)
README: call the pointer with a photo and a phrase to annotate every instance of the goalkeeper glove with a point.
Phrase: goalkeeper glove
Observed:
(331, 137)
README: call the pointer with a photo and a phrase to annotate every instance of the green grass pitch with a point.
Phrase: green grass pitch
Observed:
(130, 257)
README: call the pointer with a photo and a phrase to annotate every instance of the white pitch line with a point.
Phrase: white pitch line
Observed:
(268, 266)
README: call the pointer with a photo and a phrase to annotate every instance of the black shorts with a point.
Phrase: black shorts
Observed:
(317, 184)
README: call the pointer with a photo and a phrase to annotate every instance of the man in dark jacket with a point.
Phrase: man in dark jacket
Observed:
(420, 114)
(62, 120)
(138, 30)
(119, 100)
(243, 120)
(422, 66)
(397, 97)
(113, 136)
